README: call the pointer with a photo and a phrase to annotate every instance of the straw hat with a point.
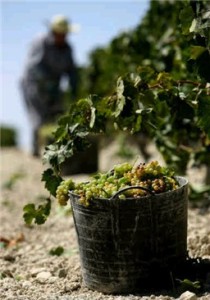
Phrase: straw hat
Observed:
(61, 24)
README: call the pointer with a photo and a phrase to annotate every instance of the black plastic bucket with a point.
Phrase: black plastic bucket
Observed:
(123, 244)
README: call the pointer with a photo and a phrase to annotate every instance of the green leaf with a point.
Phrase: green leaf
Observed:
(50, 154)
(56, 154)
(147, 98)
(137, 125)
(58, 251)
(146, 73)
(193, 26)
(196, 51)
(186, 17)
(73, 128)
(165, 80)
(187, 284)
(39, 215)
(29, 214)
(60, 133)
(51, 181)
(64, 152)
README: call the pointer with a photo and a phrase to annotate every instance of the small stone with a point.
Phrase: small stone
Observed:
(52, 279)
(188, 296)
(43, 277)
(72, 287)
(36, 271)
(26, 284)
(67, 288)
(62, 273)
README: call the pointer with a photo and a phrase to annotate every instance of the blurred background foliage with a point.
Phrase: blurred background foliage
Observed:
(8, 136)
(157, 42)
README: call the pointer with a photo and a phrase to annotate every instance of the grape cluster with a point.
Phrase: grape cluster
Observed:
(62, 191)
(151, 176)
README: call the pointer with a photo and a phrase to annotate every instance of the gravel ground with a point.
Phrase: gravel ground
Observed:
(28, 271)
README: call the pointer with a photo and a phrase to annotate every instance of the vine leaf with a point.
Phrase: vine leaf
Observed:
(187, 284)
(51, 181)
(196, 51)
(58, 251)
(39, 215)
(187, 21)
(56, 155)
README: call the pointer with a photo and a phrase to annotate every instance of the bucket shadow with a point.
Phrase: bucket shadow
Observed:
(192, 275)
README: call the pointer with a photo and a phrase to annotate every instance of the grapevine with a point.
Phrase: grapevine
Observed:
(152, 176)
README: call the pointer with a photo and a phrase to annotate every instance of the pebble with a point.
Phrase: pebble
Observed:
(52, 279)
(26, 284)
(72, 287)
(62, 273)
(36, 271)
(188, 296)
(43, 277)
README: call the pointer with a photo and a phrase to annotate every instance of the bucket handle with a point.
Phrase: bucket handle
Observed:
(131, 188)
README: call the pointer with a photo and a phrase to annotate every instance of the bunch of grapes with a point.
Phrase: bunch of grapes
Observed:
(62, 191)
(150, 176)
